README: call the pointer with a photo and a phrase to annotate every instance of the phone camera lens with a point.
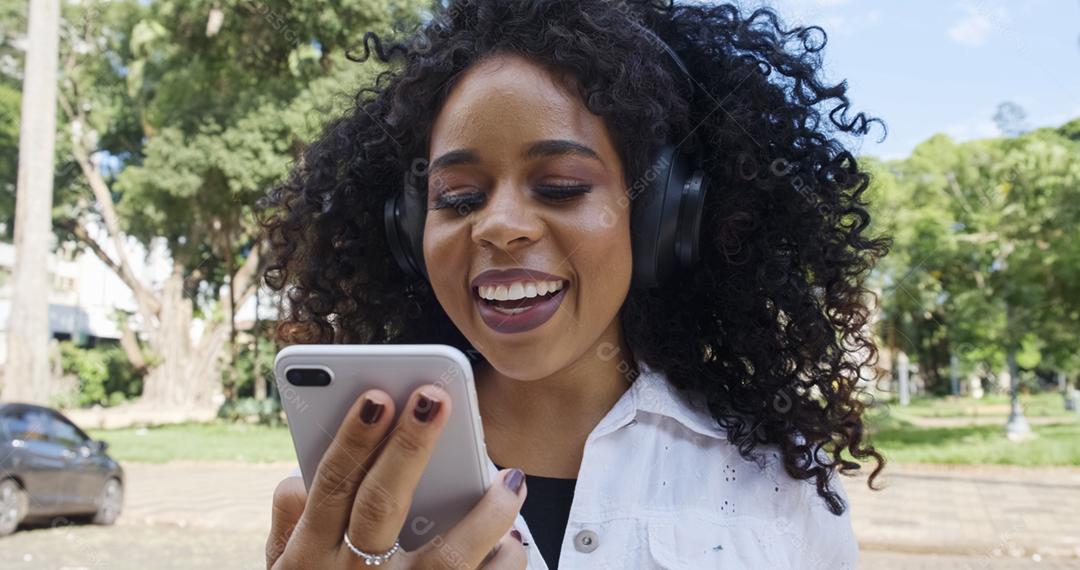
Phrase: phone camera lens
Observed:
(308, 377)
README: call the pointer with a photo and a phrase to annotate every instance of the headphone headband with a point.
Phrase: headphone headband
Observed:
(667, 49)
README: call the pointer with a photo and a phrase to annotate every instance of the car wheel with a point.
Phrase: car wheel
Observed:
(109, 503)
(13, 506)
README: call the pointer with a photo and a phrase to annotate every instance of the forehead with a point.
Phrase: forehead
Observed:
(507, 100)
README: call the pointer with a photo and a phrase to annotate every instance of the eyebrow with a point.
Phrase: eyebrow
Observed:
(538, 149)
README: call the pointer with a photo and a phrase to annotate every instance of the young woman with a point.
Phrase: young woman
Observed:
(694, 424)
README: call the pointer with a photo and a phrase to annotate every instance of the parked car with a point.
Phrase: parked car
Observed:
(50, 468)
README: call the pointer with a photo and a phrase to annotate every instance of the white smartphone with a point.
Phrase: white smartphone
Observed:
(318, 383)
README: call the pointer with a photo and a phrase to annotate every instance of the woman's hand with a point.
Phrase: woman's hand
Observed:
(364, 486)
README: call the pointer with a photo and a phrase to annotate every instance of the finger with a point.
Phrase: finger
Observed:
(344, 465)
(385, 495)
(471, 539)
(289, 499)
(509, 554)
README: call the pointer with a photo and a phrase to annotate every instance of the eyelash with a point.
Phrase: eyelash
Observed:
(561, 192)
(553, 192)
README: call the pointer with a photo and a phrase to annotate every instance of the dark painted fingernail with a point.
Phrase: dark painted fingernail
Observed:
(514, 533)
(371, 411)
(426, 408)
(514, 479)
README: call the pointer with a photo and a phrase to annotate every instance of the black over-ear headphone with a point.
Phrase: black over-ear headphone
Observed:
(665, 227)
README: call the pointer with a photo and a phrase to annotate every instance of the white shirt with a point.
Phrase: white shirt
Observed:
(661, 487)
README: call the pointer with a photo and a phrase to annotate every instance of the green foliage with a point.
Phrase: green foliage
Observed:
(10, 102)
(986, 256)
(249, 363)
(252, 363)
(222, 115)
(192, 123)
(252, 411)
(105, 375)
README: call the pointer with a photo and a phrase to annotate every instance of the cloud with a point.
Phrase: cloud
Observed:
(845, 24)
(977, 25)
(977, 130)
(835, 16)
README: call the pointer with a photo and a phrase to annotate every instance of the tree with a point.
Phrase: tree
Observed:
(179, 116)
(26, 374)
(12, 46)
(985, 261)
(10, 102)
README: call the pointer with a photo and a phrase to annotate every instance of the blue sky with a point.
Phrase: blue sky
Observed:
(926, 67)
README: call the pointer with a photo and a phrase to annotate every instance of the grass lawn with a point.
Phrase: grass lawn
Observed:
(1056, 444)
(903, 442)
(199, 442)
(893, 433)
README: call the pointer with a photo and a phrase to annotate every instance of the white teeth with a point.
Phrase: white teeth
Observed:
(519, 290)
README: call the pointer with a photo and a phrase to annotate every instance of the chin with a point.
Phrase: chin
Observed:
(522, 359)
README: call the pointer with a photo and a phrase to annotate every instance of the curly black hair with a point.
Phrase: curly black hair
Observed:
(771, 326)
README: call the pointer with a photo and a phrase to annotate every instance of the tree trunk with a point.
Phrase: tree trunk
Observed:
(189, 374)
(27, 376)
(183, 374)
(257, 372)
(168, 383)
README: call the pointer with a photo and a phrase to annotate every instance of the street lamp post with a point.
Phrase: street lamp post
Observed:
(1017, 427)
(905, 386)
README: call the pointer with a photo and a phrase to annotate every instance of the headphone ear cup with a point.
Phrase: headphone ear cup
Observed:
(653, 221)
(403, 218)
(666, 220)
(691, 210)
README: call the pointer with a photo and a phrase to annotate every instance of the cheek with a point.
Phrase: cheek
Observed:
(446, 256)
(604, 256)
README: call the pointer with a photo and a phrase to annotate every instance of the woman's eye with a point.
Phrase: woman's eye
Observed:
(463, 202)
(559, 193)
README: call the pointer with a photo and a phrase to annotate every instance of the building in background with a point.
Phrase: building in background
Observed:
(86, 297)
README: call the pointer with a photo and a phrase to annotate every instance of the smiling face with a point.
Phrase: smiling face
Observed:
(527, 237)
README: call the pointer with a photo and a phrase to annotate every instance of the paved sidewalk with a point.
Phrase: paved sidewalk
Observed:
(985, 511)
(993, 511)
(216, 515)
(210, 495)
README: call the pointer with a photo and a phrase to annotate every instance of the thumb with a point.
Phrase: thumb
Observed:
(290, 496)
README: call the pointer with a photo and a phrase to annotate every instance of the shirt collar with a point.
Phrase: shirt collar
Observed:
(651, 392)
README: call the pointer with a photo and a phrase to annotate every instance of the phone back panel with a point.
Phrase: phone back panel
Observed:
(456, 476)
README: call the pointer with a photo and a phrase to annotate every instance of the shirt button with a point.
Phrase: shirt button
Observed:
(586, 541)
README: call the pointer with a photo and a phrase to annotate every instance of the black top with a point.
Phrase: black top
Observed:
(546, 510)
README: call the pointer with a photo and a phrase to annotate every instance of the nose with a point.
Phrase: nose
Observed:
(507, 221)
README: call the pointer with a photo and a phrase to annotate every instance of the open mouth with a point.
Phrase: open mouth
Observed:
(518, 297)
(521, 305)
